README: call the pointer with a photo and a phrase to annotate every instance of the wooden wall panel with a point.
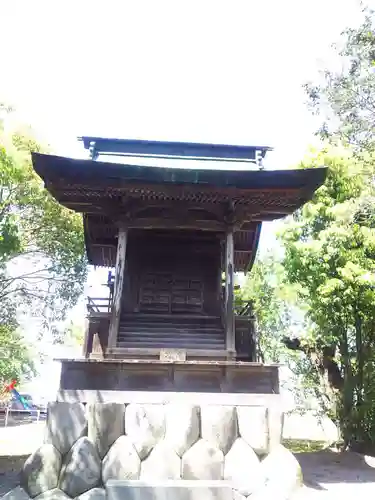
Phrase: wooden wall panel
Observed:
(172, 273)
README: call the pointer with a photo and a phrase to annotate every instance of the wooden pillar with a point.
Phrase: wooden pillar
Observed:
(118, 287)
(220, 265)
(229, 291)
(86, 340)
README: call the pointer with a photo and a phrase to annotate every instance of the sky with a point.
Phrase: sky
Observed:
(205, 71)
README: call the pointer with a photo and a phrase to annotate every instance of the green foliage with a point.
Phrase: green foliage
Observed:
(270, 305)
(345, 98)
(330, 254)
(42, 260)
(304, 446)
(15, 357)
(330, 243)
(318, 300)
(34, 227)
(328, 268)
(280, 314)
(74, 334)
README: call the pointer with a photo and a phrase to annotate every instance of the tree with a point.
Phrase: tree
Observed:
(281, 325)
(269, 298)
(346, 101)
(73, 334)
(346, 98)
(330, 256)
(42, 259)
(16, 361)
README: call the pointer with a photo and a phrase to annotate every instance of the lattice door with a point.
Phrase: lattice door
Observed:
(168, 293)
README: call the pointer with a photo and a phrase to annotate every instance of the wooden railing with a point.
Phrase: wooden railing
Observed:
(99, 305)
(245, 334)
(246, 344)
(243, 307)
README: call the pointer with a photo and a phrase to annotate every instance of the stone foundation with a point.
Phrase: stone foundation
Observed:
(104, 448)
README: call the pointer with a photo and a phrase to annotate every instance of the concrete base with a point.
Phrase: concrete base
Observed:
(169, 490)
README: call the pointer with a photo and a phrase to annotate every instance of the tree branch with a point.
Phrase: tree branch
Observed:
(323, 360)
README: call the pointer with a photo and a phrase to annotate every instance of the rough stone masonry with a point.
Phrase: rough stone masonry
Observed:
(90, 450)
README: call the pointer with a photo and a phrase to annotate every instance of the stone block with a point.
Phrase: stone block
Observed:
(182, 426)
(173, 490)
(237, 495)
(41, 470)
(242, 467)
(162, 463)
(275, 427)
(203, 461)
(16, 494)
(219, 426)
(94, 494)
(105, 425)
(122, 461)
(81, 470)
(55, 494)
(145, 425)
(253, 427)
(66, 423)
(281, 475)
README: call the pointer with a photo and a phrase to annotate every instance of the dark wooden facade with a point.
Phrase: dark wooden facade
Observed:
(172, 297)
(153, 375)
(175, 238)
(173, 272)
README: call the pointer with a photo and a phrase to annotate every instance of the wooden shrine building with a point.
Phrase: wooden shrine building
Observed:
(175, 237)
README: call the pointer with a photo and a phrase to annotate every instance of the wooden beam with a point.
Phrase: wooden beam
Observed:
(215, 208)
(229, 291)
(137, 147)
(159, 223)
(102, 244)
(118, 286)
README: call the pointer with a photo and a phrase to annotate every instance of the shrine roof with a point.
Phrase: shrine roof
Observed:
(101, 189)
(167, 149)
(61, 174)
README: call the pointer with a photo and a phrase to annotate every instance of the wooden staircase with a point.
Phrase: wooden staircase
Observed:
(200, 336)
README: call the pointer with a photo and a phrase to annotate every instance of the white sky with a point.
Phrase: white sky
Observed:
(198, 70)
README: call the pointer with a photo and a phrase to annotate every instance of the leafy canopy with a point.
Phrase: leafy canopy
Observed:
(330, 253)
(16, 358)
(42, 259)
(345, 98)
(36, 232)
(329, 245)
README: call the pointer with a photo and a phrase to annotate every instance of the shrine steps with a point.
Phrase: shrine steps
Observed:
(155, 331)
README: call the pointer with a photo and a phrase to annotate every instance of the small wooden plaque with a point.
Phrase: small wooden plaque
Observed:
(172, 355)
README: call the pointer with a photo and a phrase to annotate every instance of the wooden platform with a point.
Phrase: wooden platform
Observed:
(180, 376)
